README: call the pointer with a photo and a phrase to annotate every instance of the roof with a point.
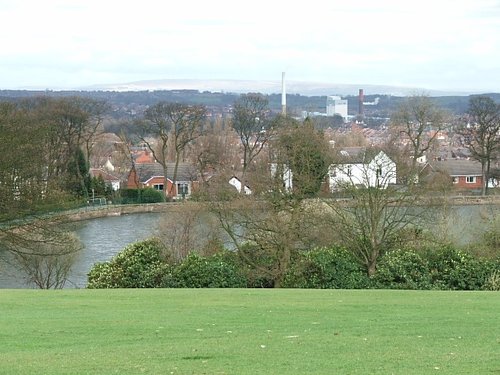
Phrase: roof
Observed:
(458, 167)
(185, 171)
(358, 155)
(108, 177)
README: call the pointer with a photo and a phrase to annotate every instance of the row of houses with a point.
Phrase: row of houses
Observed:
(359, 167)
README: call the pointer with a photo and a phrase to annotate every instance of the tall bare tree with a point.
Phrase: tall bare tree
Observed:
(187, 121)
(418, 120)
(252, 124)
(483, 134)
(170, 124)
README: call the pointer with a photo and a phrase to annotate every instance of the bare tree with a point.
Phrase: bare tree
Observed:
(170, 124)
(251, 123)
(43, 253)
(187, 125)
(266, 233)
(192, 229)
(370, 220)
(483, 134)
(418, 121)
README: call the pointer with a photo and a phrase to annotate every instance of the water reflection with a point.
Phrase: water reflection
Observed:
(102, 238)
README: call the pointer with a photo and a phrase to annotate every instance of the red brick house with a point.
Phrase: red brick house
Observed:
(152, 175)
(464, 174)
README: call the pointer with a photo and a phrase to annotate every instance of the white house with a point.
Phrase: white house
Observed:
(236, 182)
(285, 173)
(362, 167)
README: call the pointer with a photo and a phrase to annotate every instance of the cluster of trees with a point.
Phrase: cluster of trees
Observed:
(46, 144)
(149, 264)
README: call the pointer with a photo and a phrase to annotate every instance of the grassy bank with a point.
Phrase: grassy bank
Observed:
(245, 331)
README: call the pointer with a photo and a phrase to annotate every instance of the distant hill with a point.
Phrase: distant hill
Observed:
(268, 87)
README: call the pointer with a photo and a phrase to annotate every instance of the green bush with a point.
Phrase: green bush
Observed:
(326, 268)
(151, 195)
(453, 269)
(207, 272)
(403, 269)
(147, 195)
(139, 265)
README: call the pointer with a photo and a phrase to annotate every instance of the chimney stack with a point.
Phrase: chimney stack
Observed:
(283, 94)
(360, 103)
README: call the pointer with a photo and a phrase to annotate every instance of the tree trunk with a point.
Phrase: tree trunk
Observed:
(371, 268)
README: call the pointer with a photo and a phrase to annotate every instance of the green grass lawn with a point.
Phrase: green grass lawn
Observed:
(248, 331)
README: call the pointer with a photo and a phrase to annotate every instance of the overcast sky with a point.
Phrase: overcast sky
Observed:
(432, 44)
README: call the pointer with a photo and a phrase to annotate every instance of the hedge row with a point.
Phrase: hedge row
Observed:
(146, 265)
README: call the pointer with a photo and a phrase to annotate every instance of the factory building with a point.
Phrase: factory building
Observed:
(336, 105)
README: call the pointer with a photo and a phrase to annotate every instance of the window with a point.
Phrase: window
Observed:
(182, 189)
(349, 170)
(454, 180)
(379, 171)
(158, 186)
(470, 179)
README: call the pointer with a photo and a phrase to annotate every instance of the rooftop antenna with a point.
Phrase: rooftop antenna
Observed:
(283, 94)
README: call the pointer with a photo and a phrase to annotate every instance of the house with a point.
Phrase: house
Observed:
(465, 174)
(236, 182)
(152, 175)
(360, 166)
(107, 177)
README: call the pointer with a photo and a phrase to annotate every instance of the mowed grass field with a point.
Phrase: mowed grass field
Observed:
(248, 331)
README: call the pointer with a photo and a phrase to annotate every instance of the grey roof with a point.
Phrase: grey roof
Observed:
(458, 167)
(356, 155)
(185, 171)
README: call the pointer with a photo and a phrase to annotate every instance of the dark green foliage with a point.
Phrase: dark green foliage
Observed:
(139, 265)
(143, 265)
(457, 270)
(216, 271)
(401, 269)
(307, 154)
(78, 178)
(151, 195)
(100, 188)
(134, 196)
(326, 268)
(439, 267)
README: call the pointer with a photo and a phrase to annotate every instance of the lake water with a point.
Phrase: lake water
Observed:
(104, 237)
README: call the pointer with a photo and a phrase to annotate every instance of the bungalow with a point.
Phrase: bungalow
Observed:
(362, 167)
(465, 174)
(152, 175)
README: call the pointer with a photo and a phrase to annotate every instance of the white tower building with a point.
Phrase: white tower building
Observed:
(336, 105)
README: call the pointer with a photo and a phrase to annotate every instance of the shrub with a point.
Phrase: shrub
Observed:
(150, 195)
(139, 265)
(147, 195)
(493, 281)
(215, 271)
(326, 268)
(455, 269)
(403, 269)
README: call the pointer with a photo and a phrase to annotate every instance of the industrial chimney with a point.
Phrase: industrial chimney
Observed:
(360, 103)
(283, 94)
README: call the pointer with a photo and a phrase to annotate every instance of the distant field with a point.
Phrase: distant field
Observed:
(247, 331)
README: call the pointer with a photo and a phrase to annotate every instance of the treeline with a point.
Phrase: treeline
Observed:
(296, 102)
(148, 264)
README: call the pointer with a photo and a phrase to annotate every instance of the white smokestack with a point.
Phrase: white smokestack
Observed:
(283, 94)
